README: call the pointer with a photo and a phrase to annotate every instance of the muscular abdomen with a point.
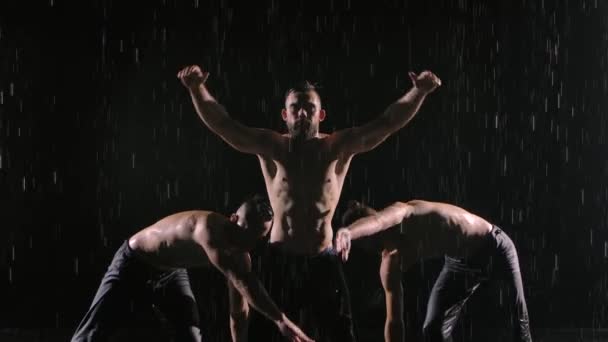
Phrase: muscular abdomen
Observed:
(304, 192)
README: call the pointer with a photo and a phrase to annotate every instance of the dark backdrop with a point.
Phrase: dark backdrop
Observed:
(98, 138)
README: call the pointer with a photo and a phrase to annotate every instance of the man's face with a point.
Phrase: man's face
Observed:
(303, 113)
(251, 223)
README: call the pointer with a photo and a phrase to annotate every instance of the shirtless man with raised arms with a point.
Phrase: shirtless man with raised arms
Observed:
(304, 172)
(150, 267)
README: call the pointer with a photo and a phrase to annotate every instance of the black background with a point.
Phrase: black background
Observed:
(98, 139)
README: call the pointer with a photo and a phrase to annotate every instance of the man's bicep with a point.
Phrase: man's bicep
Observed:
(393, 214)
(364, 138)
(249, 139)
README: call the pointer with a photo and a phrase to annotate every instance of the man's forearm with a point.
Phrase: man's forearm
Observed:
(366, 226)
(399, 113)
(239, 326)
(208, 109)
(239, 313)
(253, 291)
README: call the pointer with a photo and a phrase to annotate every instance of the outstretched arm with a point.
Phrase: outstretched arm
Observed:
(235, 267)
(239, 315)
(370, 225)
(398, 114)
(240, 137)
(390, 275)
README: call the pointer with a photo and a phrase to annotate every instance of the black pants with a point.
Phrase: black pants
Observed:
(129, 282)
(312, 292)
(459, 279)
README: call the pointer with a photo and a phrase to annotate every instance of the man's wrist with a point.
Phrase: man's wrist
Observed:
(196, 86)
(346, 232)
(420, 91)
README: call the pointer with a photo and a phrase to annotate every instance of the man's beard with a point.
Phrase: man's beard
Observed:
(303, 130)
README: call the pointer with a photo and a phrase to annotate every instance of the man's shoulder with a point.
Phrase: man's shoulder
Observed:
(333, 136)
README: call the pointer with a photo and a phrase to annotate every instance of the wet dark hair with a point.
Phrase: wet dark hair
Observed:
(257, 209)
(355, 211)
(302, 87)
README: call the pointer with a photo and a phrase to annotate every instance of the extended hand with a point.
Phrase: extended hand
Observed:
(291, 331)
(425, 81)
(192, 76)
(342, 243)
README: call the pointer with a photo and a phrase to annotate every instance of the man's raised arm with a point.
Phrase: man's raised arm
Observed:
(366, 137)
(240, 137)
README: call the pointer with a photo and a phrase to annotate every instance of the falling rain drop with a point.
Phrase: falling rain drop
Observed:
(500, 296)
(533, 123)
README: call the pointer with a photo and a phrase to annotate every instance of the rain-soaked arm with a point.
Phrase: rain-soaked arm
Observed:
(234, 267)
(366, 137)
(239, 314)
(390, 276)
(370, 225)
(240, 137)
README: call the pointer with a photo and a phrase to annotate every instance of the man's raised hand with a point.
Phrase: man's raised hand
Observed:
(192, 76)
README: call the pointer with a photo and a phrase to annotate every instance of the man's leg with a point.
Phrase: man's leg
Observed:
(507, 269)
(174, 297)
(112, 301)
(454, 285)
(282, 276)
(329, 298)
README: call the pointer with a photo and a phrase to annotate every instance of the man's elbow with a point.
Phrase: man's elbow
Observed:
(240, 315)
(240, 146)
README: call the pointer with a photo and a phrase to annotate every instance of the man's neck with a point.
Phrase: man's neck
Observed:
(240, 239)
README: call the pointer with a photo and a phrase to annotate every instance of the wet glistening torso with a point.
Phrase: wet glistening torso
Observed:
(170, 242)
(442, 229)
(304, 187)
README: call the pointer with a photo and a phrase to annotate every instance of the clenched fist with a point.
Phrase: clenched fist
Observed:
(192, 76)
(425, 81)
